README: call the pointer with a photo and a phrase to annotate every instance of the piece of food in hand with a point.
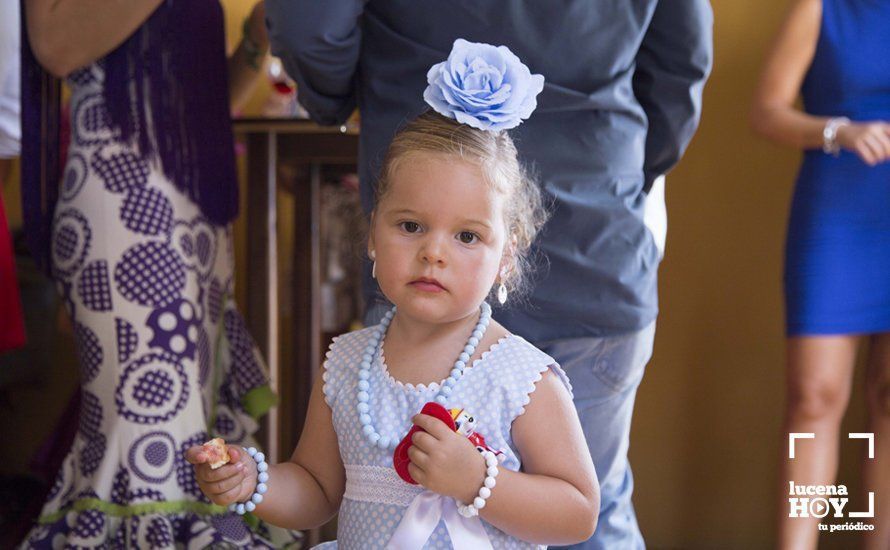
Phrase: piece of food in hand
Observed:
(217, 453)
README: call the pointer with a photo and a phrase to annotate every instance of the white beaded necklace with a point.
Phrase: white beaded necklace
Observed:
(373, 350)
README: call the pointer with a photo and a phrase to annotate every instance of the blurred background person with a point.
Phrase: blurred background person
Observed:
(835, 54)
(136, 234)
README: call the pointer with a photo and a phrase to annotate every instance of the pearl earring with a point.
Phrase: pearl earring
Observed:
(502, 288)
(373, 256)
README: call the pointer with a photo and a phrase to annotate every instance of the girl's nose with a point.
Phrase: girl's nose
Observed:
(433, 251)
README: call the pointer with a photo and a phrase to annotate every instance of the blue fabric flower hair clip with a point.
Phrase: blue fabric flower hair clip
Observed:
(484, 86)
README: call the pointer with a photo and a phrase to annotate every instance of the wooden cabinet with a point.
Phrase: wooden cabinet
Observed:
(289, 160)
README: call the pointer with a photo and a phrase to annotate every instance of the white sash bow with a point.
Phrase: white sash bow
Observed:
(422, 517)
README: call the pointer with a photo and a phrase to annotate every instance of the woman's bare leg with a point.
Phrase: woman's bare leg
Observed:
(819, 377)
(876, 471)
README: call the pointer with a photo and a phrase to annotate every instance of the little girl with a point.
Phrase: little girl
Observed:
(454, 218)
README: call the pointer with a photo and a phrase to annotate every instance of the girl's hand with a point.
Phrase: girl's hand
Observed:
(233, 482)
(869, 140)
(445, 462)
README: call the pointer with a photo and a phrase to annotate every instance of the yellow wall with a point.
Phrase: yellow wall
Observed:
(706, 435)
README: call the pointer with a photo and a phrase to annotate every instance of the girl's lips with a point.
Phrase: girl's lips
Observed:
(426, 285)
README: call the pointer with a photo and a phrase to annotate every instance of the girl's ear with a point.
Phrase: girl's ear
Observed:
(508, 260)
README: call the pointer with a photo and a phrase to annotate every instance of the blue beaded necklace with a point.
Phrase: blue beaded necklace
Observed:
(373, 350)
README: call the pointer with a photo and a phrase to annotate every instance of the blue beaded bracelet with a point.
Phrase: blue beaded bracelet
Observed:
(261, 487)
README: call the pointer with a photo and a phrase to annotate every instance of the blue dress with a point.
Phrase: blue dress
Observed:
(495, 389)
(837, 264)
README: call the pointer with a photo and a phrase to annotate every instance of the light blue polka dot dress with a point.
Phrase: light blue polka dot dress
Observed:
(495, 390)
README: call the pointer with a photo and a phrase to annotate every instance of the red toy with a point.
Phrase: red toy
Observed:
(458, 420)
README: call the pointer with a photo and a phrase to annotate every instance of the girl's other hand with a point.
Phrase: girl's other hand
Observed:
(869, 140)
(445, 462)
(233, 482)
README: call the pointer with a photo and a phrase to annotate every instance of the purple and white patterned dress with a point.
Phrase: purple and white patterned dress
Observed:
(165, 357)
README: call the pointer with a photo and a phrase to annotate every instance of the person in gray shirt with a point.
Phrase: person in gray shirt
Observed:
(621, 101)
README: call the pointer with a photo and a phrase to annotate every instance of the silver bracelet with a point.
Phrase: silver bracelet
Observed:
(829, 135)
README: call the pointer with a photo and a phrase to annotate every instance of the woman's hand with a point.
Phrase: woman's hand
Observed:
(444, 461)
(869, 140)
(233, 482)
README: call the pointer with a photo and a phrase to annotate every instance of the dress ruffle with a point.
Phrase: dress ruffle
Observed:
(90, 523)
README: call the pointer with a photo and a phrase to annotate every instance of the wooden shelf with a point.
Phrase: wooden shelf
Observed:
(300, 152)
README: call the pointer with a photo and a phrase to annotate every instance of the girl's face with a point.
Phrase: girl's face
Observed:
(438, 236)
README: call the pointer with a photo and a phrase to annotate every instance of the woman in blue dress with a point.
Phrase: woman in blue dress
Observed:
(836, 55)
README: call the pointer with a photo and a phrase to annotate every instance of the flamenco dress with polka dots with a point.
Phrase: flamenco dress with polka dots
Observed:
(495, 389)
(165, 357)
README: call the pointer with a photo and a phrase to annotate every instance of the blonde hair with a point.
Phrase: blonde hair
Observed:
(496, 155)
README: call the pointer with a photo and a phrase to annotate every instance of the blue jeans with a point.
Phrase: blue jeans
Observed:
(605, 374)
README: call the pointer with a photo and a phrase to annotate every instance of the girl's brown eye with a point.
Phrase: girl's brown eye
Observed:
(411, 227)
(467, 237)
